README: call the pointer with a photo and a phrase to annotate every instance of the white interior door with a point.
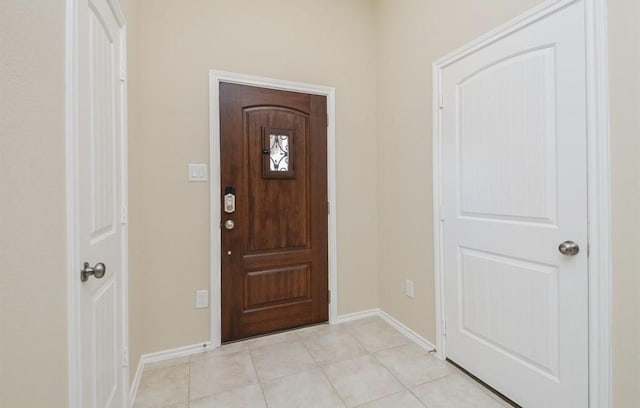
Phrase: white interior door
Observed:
(514, 188)
(100, 197)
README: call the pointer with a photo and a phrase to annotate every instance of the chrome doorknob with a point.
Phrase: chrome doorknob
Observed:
(229, 224)
(98, 271)
(569, 248)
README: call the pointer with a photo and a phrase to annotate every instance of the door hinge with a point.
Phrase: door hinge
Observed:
(124, 217)
(444, 327)
(441, 101)
(328, 207)
(327, 120)
(328, 296)
(123, 74)
(125, 357)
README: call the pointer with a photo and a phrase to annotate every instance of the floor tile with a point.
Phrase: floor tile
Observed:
(412, 365)
(365, 363)
(404, 399)
(221, 373)
(330, 346)
(302, 390)
(318, 329)
(377, 335)
(163, 387)
(249, 396)
(361, 380)
(281, 359)
(455, 391)
(284, 337)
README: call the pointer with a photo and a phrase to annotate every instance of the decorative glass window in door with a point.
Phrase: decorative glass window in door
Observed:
(277, 150)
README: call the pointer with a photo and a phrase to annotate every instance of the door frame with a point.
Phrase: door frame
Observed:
(215, 78)
(598, 184)
(74, 286)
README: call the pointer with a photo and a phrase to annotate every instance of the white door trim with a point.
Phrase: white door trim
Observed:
(599, 195)
(215, 78)
(72, 187)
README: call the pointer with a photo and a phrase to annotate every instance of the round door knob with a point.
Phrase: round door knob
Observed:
(98, 271)
(229, 224)
(569, 248)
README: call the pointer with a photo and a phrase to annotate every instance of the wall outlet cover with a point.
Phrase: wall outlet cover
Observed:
(408, 288)
(202, 299)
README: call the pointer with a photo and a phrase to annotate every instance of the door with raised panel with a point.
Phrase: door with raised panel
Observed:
(515, 212)
(100, 156)
(273, 151)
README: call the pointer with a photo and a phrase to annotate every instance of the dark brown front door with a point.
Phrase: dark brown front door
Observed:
(273, 147)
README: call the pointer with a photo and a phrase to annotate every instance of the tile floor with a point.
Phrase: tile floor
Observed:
(364, 363)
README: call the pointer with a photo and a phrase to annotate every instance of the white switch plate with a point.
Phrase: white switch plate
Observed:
(202, 299)
(408, 288)
(198, 172)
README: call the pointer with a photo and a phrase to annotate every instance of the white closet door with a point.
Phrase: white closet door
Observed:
(515, 189)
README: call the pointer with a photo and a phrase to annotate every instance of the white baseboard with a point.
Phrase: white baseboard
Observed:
(418, 339)
(349, 317)
(176, 352)
(161, 356)
(133, 389)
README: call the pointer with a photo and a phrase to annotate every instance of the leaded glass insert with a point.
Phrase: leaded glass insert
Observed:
(279, 152)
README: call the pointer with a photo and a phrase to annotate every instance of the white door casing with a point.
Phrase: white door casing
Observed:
(97, 209)
(514, 186)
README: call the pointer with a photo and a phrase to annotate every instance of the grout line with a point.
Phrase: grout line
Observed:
(372, 354)
(390, 395)
(417, 397)
(389, 371)
(319, 366)
(411, 342)
(189, 384)
(255, 370)
(346, 329)
(333, 387)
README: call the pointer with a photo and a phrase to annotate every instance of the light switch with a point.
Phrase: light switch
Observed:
(198, 172)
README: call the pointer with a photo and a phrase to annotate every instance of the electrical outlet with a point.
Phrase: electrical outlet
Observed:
(202, 299)
(408, 288)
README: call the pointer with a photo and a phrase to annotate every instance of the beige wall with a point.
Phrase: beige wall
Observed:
(328, 42)
(624, 60)
(33, 285)
(411, 35)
